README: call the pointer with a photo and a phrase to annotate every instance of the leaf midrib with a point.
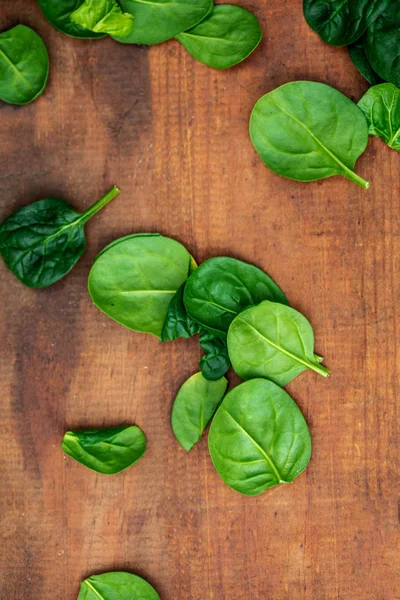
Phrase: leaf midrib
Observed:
(12, 65)
(93, 589)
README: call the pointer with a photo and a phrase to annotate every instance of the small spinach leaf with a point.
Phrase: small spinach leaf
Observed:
(177, 323)
(134, 279)
(194, 406)
(307, 131)
(215, 363)
(224, 38)
(41, 242)
(382, 44)
(361, 62)
(24, 65)
(381, 107)
(222, 287)
(103, 16)
(106, 451)
(259, 438)
(58, 13)
(116, 586)
(273, 341)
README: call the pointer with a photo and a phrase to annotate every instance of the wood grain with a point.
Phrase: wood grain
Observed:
(172, 134)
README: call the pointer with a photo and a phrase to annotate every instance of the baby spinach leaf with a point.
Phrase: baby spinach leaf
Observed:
(259, 438)
(58, 13)
(361, 62)
(159, 20)
(342, 22)
(382, 44)
(103, 16)
(222, 287)
(273, 341)
(194, 406)
(41, 242)
(224, 38)
(134, 279)
(215, 363)
(177, 323)
(24, 65)
(307, 131)
(116, 586)
(381, 107)
(106, 451)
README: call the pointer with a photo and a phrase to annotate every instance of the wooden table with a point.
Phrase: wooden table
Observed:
(172, 134)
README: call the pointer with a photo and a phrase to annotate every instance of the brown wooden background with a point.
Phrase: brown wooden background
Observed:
(172, 134)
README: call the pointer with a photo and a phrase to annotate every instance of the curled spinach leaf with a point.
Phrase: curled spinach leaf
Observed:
(177, 323)
(259, 438)
(103, 16)
(361, 62)
(41, 242)
(381, 107)
(273, 341)
(24, 65)
(307, 131)
(382, 44)
(215, 362)
(116, 586)
(194, 406)
(106, 451)
(224, 38)
(58, 13)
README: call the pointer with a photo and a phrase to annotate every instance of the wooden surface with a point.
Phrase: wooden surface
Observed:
(172, 134)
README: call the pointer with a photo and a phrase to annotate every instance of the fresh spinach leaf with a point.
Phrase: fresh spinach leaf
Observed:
(24, 65)
(106, 451)
(103, 16)
(381, 107)
(116, 586)
(58, 13)
(194, 406)
(259, 438)
(342, 22)
(134, 279)
(215, 362)
(177, 323)
(361, 62)
(222, 287)
(224, 38)
(382, 44)
(307, 131)
(274, 341)
(159, 20)
(41, 242)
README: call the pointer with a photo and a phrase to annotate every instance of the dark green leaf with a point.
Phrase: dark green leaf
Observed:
(41, 242)
(361, 62)
(259, 438)
(194, 406)
(215, 363)
(103, 16)
(116, 586)
(58, 12)
(382, 44)
(307, 131)
(381, 106)
(177, 323)
(224, 38)
(24, 65)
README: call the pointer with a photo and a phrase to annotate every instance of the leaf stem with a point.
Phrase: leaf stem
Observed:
(320, 369)
(357, 179)
(92, 210)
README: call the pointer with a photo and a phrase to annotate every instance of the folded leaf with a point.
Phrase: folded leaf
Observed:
(361, 62)
(103, 16)
(58, 13)
(382, 44)
(215, 362)
(177, 323)
(381, 107)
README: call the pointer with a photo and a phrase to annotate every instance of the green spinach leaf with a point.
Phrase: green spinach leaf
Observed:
(41, 242)
(224, 38)
(58, 13)
(159, 20)
(177, 323)
(259, 438)
(222, 287)
(381, 107)
(194, 406)
(103, 16)
(273, 341)
(215, 362)
(134, 279)
(106, 451)
(307, 131)
(24, 65)
(116, 586)
(382, 44)
(361, 62)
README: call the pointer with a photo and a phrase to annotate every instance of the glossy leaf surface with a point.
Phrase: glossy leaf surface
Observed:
(381, 106)
(215, 362)
(103, 16)
(361, 62)
(177, 323)
(58, 13)
(382, 44)
(116, 586)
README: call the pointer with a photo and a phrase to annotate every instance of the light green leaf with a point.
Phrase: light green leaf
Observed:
(103, 16)
(381, 107)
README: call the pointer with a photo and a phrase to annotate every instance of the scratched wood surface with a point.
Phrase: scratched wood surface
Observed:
(172, 134)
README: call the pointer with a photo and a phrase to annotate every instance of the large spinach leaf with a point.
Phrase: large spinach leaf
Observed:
(381, 106)
(224, 38)
(215, 362)
(194, 406)
(134, 279)
(159, 20)
(382, 44)
(116, 586)
(58, 12)
(307, 131)
(41, 242)
(274, 341)
(103, 16)
(24, 65)
(106, 451)
(222, 287)
(342, 22)
(177, 323)
(361, 62)
(259, 438)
